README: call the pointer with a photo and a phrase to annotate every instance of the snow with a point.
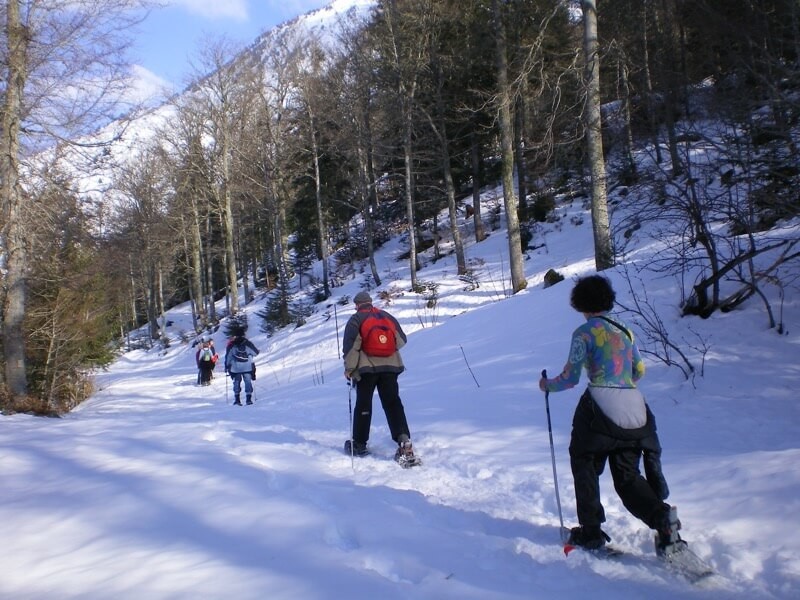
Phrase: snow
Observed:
(157, 488)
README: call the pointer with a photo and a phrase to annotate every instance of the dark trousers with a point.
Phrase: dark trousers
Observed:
(588, 452)
(237, 383)
(389, 393)
(206, 372)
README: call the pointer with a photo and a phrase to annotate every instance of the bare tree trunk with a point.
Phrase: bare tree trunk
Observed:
(626, 109)
(210, 291)
(227, 228)
(409, 194)
(14, 242)
(475, 158)
(162, 314)
(152, 311)
(371, 189)
(323, 237)
(243, 261)
(518, 281)
(367, 205)
(519, 151)
(440, 130)
(668, 59)
(195, 257)
(651, 116)
(603, 253)
(193, 305)
(134, 316)
(254, 273)
(186, 233)
(461, 262)
(406, 52)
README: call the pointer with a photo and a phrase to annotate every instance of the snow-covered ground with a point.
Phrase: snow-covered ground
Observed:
(157, 488)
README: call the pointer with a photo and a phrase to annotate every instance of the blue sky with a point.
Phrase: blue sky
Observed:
(171, 36)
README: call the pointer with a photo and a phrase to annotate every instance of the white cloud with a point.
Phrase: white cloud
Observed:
(214, 9)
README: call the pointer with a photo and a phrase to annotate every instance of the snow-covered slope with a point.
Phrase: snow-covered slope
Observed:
(157, 488)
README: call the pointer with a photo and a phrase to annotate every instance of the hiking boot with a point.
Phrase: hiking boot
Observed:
(236, 401)
(360, 449)
(668, 540)
(357, 449)
(590, 537)
(249, 400)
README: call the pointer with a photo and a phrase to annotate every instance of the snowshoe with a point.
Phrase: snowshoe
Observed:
(600, 552)
(674, 551)
(405, 456)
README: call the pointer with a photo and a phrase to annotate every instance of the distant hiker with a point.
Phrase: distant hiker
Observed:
(239, 364)
(612, 422)
(371, 343)
(206, 358)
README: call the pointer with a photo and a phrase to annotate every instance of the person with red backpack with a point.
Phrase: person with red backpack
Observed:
(371, 343)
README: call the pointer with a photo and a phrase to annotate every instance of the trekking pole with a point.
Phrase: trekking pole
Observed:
(336, 320)
(561, 531)
(226, 387)
(350, 407)
(253, 383)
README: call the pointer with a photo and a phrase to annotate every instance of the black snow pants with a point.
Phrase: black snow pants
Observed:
(595, 440)
(389, 393)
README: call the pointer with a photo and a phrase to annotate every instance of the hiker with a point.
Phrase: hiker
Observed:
(370, 346)
(612, 422)
(206, 358)
(239, 364)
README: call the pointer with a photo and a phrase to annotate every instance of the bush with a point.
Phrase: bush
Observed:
(543, 206)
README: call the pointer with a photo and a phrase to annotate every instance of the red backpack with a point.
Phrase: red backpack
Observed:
(378, 334)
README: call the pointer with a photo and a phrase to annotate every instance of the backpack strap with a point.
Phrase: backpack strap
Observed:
(617, 325)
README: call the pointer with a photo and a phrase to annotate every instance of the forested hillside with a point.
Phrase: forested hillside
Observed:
(345, 126)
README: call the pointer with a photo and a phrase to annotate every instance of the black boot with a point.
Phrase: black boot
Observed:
(668, 540)
(590, 537)
(236, 401)
(249, 399)
(357, 448)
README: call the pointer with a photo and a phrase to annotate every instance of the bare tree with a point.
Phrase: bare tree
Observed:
(64, 71)
(356, 113)
(603, 251)
(404, 56)
(192, 192)
(146, 189)
(267, 163)
(225, 95)
(504, 96)
(311, 66)
(440, 130)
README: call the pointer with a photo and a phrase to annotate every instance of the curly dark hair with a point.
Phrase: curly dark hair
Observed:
(592, 294)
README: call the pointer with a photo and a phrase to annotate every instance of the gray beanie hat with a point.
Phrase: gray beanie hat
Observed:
(362, 298)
